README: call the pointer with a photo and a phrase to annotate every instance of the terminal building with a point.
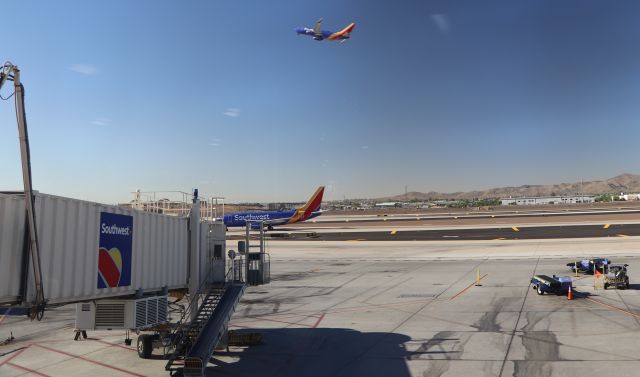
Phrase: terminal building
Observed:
(388, 205)
(542, 200)
(628, 197)
(283, 206)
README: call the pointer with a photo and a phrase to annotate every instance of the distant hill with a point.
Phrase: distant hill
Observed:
(622, 183)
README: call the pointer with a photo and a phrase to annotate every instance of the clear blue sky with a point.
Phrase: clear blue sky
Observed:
(224, 96)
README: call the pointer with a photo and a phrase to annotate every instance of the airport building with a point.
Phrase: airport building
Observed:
(389, 205)
(629, 196)
(540, 200)
(283, 206)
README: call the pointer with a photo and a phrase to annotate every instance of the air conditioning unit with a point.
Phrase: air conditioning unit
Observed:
(121, 313)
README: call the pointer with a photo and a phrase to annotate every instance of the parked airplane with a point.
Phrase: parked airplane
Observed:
(310, 210)
(318, 34)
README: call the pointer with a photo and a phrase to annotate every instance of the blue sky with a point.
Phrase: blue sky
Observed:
(224, 96)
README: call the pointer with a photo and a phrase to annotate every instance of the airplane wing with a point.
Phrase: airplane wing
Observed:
(317, 29)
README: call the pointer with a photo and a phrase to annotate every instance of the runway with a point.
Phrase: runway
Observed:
(544, 215)
(499, 233)
(599, 217)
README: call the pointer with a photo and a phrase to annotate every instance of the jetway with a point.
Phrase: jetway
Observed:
(118, 264)
(80, 251)
(91, 251)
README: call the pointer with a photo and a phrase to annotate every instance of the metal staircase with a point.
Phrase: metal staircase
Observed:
(187, 333)
(211, 308)
(195, 340)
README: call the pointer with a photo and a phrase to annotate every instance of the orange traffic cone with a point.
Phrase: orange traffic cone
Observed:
(569, 294)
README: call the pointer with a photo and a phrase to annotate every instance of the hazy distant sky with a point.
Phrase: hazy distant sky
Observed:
(224, 96)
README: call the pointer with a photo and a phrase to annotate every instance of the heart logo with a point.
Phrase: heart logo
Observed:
(109, 267)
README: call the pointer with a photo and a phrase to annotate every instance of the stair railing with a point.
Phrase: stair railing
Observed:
(183, 324)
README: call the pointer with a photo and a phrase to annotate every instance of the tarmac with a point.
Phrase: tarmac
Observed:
(378, 311)
(393, 308)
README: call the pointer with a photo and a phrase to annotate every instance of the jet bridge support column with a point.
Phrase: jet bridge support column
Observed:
(10, 72)
(247, 250)
(194, 249)
(257, 266)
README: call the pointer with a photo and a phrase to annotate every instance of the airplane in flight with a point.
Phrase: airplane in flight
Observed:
(308, 211)
(318, 34)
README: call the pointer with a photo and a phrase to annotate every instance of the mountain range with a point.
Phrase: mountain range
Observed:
(624, 183)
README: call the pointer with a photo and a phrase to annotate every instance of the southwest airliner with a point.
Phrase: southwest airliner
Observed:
(310, 210)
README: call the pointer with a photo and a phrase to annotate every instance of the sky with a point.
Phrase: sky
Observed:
(223, 96)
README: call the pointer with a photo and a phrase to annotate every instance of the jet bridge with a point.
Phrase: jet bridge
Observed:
(80, 251)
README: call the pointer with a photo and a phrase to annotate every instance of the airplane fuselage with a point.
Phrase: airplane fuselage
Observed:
(324, 34)
(272, 217)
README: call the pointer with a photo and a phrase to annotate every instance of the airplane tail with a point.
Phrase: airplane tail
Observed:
(344, 33)
(312, 205)
(349, 28)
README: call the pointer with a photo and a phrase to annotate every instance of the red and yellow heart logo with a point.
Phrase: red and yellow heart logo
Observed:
(110, 266)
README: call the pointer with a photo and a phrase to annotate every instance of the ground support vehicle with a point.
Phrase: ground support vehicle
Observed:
(587, 265)
(556, 284)
(161, 337)
(616, 276)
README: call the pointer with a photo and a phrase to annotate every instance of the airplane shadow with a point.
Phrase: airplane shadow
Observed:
(317, 352)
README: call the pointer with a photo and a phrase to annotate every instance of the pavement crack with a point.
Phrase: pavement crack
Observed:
(515, 328)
